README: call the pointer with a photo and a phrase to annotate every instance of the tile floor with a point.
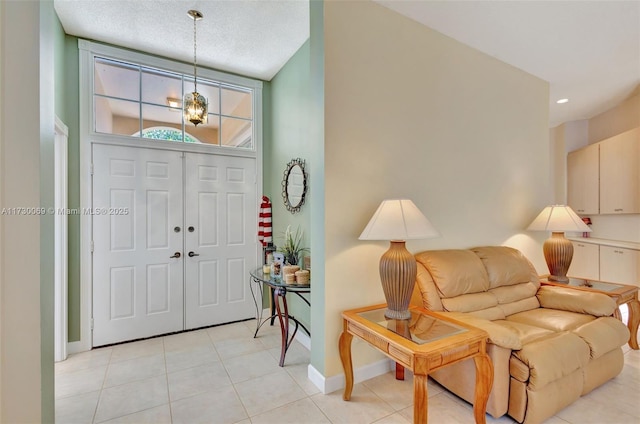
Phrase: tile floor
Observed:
(224, 375)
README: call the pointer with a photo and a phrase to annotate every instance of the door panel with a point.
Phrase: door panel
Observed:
(137, 287)
(220, 203)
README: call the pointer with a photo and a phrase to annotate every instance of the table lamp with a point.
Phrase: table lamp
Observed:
(558, 251)
(398, 220)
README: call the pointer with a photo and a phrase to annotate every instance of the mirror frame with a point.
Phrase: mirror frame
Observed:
(285, 185)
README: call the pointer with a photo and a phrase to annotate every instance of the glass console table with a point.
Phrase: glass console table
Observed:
(278, 308)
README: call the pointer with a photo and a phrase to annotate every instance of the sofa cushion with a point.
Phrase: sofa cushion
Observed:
(470, 302)
(525, 333)
(568, 299)
(520, 306)
(505, 266)
(603, 335)
(500, 335)
(425, 294)
(551, 319)
(455, 272)
(553, 357)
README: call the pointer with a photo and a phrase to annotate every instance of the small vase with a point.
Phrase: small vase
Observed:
(292, 260)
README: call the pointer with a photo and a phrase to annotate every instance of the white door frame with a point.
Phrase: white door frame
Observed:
(87, 51)
(61, 275)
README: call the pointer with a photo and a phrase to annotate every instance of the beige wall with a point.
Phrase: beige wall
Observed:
(617, 120)
(22, 384)
(412, 113)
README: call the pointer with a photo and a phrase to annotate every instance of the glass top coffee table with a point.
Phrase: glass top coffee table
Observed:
(425, 343)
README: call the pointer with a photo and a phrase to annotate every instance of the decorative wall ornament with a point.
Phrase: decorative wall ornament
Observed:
(294, 185)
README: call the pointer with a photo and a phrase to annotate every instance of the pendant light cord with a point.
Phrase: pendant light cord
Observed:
(195, 69)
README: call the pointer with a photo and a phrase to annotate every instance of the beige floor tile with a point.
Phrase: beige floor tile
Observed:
(230, 348)
(138, 349)
(296, 354)
(79, 382)
(191, 357)
(78, 409)
(268, 392)
(197, 380)
(134, 369)
(301, 411)
(218, 406)
(84, 360)
(187, 340)
(236, 330)
(396, 418)
(158, 415)
(253, 365)
(397, 393)
(300, 374)
(363, 408)
(133, 397)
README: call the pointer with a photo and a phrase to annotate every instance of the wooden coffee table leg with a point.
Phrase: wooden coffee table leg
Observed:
(420, 399)
(634, 320)
(484, 382)
(345, 357)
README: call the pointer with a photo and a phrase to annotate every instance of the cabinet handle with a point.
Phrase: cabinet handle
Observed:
(618, 210)
(580, 245)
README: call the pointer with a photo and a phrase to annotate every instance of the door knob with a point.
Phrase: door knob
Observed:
(192, 254)
(175, 255)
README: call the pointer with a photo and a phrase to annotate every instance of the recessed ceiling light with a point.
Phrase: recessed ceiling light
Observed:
(561, 101)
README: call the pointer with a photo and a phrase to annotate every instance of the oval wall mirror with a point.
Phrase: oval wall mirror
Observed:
(294, 185)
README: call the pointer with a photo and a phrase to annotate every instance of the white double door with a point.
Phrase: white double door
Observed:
(173, 241)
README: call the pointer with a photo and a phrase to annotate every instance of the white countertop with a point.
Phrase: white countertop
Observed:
(604, 242)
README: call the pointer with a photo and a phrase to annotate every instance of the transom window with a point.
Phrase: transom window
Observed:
(139, 101)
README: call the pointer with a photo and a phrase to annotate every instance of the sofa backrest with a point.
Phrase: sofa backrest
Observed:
(491, 282)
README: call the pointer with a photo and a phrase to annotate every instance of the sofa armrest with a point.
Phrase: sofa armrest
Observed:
(572, 300)
(498, 334)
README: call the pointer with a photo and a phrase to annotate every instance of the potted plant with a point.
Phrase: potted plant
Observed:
(292, 246)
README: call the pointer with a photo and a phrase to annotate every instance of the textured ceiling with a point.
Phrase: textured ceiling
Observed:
(251, 38)
(588, 51)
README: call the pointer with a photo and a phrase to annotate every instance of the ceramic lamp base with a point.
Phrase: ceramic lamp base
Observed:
(558, 252)
(398, 277)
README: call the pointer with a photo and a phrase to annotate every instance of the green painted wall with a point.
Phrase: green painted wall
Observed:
(317, 196)
(289, 115)
(66, 85)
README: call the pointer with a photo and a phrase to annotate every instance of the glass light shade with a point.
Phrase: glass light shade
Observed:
(558, 218)
(398, 219)
(195, 108)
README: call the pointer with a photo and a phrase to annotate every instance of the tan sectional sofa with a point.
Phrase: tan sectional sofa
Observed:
(549, 345)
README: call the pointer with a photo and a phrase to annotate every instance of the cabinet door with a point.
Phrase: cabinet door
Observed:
(618, 265)
(582, 180)
(619, 175)
(585, 261)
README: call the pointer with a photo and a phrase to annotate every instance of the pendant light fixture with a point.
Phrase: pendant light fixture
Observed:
(195, 104)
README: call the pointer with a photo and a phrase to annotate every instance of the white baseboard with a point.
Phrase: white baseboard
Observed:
(337, 382)
(77, 347)
(301, 336)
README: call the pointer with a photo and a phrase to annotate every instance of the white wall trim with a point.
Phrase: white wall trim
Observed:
(61, 276)
(337, 382)
(301, 336)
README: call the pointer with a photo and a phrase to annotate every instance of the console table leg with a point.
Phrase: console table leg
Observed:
(420, 399)
(283, 318)
(484, 381)
(634, 320)
(345, 356)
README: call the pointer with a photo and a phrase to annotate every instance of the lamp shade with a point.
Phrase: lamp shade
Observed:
(558, 218)
(398, 219)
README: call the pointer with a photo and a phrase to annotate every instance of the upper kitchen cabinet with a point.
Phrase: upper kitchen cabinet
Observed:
(582, 180)
(619, 173)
